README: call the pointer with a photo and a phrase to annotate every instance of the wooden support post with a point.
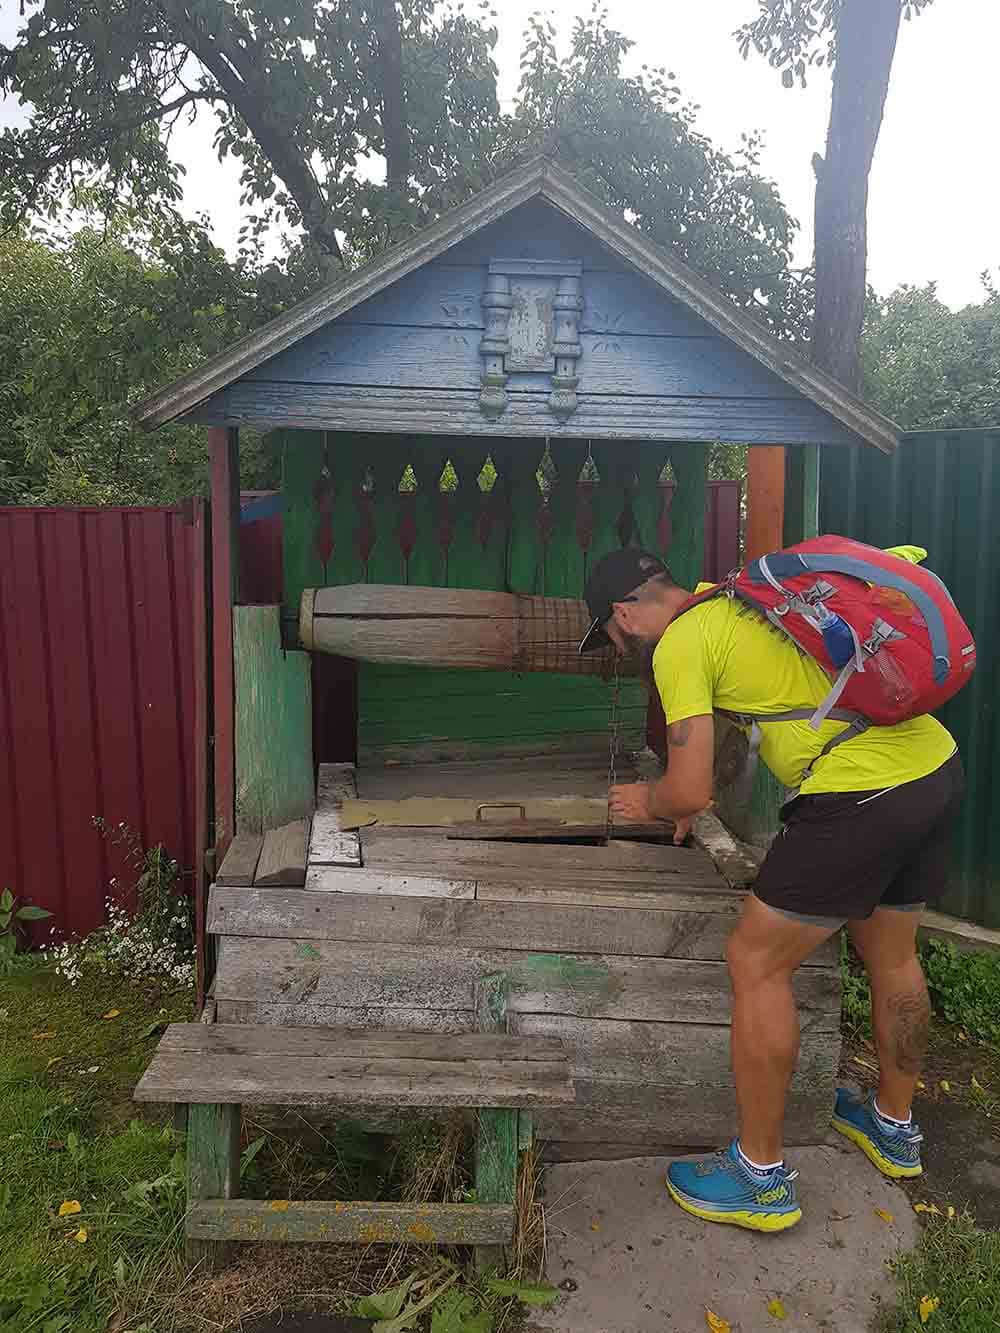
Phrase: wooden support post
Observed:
(765, 499)
(801, 494)
(497, 1135)
(213, 1172)
(224, 454)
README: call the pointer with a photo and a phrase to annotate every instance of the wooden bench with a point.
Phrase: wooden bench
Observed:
(214, 1069)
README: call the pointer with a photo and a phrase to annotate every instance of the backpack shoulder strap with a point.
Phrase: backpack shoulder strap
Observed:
(697, 598)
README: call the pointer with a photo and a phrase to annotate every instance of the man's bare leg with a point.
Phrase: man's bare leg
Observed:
(763, 953)
(887, 944)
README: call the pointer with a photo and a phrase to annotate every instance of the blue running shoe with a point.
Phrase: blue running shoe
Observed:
(721, 1189)
(896, 1152)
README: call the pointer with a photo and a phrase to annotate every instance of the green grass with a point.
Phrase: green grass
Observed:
(958, 1265)
(964, 989)
(69, 1133)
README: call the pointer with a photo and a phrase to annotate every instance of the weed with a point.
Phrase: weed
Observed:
(955, 1274)
(857, 1001)
(154, 942)
(965, 988)
(12, 919)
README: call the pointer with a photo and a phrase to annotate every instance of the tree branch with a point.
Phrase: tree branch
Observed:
(395, 129)
(227, 63)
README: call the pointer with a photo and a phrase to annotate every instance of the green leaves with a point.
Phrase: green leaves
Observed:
(459, 1312)
(528, 1293)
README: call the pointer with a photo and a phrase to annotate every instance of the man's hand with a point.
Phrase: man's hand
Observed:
(682, 827)
(630, 802)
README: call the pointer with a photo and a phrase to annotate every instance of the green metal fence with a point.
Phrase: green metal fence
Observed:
(941, 490)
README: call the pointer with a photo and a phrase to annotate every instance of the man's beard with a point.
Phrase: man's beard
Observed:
(638, 656)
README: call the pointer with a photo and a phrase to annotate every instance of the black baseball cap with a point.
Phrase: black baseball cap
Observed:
(613, 579)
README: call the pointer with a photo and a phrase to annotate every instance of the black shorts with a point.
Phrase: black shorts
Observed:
(841, 855)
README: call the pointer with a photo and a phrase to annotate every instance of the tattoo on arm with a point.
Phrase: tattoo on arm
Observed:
(679, 733)
(910, 1012)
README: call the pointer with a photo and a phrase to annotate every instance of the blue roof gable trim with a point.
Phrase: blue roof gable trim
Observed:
(213, 392)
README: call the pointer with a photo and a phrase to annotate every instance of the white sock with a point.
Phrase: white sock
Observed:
(891, 1119)
(757, 1167)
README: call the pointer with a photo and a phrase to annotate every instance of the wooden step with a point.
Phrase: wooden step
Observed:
(249, 1064)
(347, 1222)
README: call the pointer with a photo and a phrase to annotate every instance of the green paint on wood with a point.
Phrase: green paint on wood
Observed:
(802, 468)
(519, 477)
(303, 461)
(349, 1222)
(213, 1171)
(404, 706)
(687, 549)
(496, 1156)
(647, 497)
(565, 571)
(274, 761)
(525, 1131)
(496, 543)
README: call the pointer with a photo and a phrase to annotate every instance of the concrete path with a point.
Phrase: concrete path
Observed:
(632, 1262)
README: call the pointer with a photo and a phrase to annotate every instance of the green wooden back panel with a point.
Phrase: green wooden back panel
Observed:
(347, 521)
(941, 490)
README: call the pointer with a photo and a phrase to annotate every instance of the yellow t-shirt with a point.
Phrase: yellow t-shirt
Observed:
(722, 655)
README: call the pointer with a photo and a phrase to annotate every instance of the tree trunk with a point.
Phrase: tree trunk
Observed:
(395, 130)
(866, 43)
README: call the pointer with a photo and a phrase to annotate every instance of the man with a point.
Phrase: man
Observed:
(865, 842)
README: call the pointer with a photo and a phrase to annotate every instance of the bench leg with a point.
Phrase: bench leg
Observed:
(213, 1172)
(496, 1173)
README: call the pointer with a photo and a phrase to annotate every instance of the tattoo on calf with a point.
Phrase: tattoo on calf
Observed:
(911, 1014)
(679, 733)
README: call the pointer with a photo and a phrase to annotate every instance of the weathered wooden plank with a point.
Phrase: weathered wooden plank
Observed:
(536, 927)
(240, 863)
(345, 1223)
(329, 845)
(213, 1170)
(611, 1112)
(500, 780)
(337, 879)
(380, 846)
(335, 783)
(274, 765)
(432, 987)
(451, 411)
(283, 856)
(354, 1081)
(552, 831)
(628, 897)
(413, 356)
(223, 1039)
(367, 1018)
(447, 296)
(669, 1054)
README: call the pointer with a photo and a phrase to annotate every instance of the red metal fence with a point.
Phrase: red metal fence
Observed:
(103, 709)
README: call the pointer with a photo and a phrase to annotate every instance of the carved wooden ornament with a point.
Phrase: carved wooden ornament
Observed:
(532, 312)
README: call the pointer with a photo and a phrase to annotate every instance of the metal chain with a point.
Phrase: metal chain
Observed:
(614, 726)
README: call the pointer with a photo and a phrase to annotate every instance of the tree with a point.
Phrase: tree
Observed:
(632, 139)
(858, 39)
(302, 93)
(86, 328)
(927, 367)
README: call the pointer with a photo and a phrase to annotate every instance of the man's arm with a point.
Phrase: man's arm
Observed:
(686, 787)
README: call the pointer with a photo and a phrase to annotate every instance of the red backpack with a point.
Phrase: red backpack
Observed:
(885, 630)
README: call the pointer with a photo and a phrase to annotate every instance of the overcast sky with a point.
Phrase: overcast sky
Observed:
(934, 209)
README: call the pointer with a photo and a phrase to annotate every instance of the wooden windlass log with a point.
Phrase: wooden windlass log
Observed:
(449, 627)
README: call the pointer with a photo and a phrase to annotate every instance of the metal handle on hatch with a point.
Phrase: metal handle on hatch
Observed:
(499, 805)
